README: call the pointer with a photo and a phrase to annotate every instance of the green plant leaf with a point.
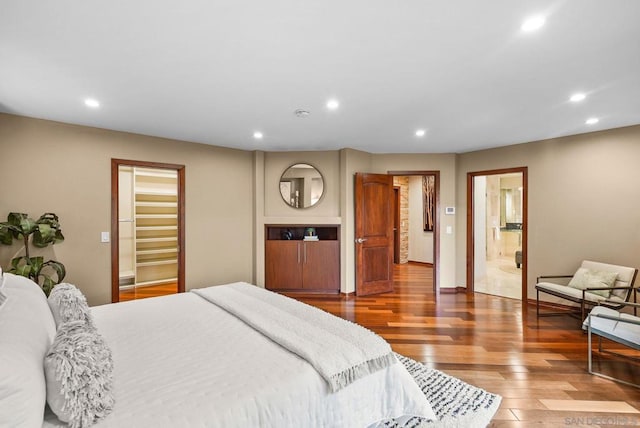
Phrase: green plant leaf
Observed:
(43, 235)
(6, 234)
(15, 218)
(24, 269)
(27, 226)
(58, 267)
(47, 285)
(16, 261)
(36, 264)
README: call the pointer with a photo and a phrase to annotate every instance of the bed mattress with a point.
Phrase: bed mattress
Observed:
(181, 361)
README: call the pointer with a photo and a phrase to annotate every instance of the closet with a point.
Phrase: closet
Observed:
(148, 225)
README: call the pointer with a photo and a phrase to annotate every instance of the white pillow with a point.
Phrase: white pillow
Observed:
(67, 303)
(27, 330)
(3, 297)
(79, 373)
(589, 278)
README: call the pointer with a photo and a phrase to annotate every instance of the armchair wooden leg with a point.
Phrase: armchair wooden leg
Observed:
(537, 303)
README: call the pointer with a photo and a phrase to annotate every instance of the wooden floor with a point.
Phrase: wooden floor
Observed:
(537, 366)
(148, 291)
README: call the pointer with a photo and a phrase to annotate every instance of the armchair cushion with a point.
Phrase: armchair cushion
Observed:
(590, 278)
(575, 293)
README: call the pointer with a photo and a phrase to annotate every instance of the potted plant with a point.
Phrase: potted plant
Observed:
(44, 231)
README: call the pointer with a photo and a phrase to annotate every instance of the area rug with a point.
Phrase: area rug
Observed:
(455, 403)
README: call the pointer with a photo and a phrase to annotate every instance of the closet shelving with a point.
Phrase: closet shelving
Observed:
(155, 227)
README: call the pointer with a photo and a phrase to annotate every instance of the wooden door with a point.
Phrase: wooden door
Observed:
(374, 233)
(283, 265)
(321, 266)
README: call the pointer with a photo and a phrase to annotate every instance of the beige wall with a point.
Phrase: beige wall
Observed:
(351, 161)
(420, 242)
(66, 169)
(584, 200)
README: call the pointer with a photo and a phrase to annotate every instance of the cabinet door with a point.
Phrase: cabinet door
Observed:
(283, 267)
(321, 265)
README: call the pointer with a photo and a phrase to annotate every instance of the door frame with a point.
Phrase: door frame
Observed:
(436, 226)
(525, 225)
(115, 224)
(396, 224)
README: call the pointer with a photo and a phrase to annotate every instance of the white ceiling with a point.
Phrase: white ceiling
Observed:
(215, 71)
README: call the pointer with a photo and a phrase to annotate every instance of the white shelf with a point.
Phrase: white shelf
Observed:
(153, 204)
(156, 174)
(158, 192)
(156, 282)
(164, 239)
(127, 274)
(158, 251)
(157, 263)
(151, 228)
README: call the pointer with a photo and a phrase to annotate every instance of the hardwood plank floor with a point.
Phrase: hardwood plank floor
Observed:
(148, 291)
(538, 366)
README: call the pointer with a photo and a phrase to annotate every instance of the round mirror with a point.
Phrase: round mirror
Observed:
(301, 185)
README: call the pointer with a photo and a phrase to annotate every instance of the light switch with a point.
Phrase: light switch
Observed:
(449, 230)
(104, 237)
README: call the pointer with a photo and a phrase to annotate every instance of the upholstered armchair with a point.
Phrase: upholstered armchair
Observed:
(593, 283)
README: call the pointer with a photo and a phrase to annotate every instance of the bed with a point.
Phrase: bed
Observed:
(182, 360)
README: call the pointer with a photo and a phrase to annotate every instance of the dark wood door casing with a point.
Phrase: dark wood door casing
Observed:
(525, 225)
(436, 228)
(115, 224)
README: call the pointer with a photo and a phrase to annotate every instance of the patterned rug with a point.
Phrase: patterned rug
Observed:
(455, 403)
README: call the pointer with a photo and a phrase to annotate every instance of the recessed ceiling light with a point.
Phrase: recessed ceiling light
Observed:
(592, 121)
(333, 104)
(577, 97)
(420, 133)
(258, 135)
(533, 23)
(91, 102)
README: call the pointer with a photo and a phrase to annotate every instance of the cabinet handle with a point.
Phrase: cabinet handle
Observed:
(298, 246)
(305, 253)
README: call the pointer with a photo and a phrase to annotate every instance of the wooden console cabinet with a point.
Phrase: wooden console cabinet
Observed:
(298, 265)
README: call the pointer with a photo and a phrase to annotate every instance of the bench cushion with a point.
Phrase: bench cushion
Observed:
(622, 332)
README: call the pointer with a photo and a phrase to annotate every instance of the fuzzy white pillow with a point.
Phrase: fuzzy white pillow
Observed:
(79, 373)
(67, 303)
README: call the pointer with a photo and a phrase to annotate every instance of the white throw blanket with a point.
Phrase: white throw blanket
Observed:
(341, 351)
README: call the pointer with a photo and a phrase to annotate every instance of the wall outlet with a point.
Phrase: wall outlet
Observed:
(449, 230)
(104, 237)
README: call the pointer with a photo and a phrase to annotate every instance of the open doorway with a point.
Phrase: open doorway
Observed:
(147, 228)
(497, 232)
(416, 220)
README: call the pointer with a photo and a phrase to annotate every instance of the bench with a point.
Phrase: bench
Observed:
(616, 326)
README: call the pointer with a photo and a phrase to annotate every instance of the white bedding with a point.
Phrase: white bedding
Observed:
(181, 361)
